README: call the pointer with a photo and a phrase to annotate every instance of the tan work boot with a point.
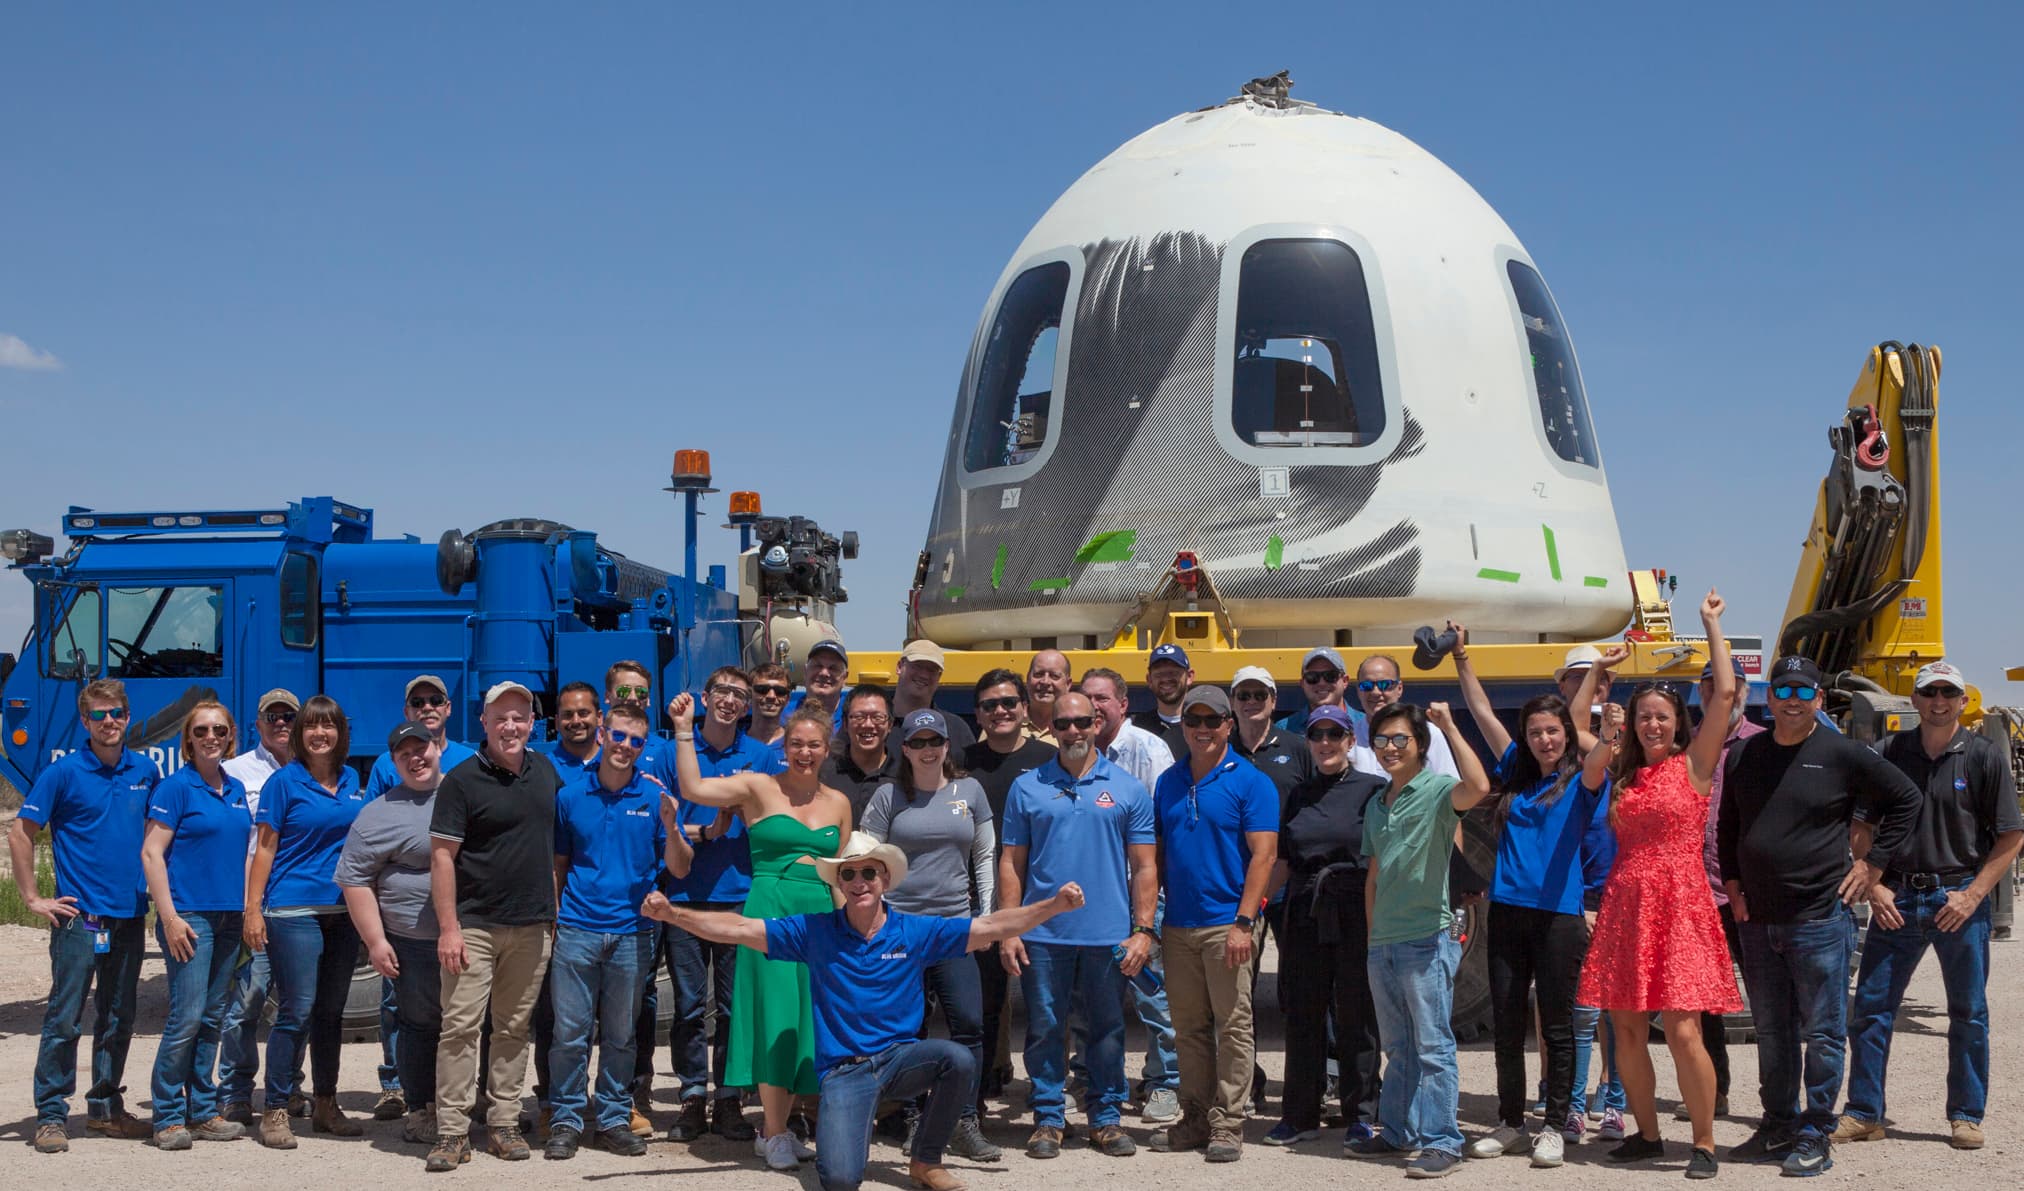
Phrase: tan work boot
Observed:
(326, 1117)
(122, 1124)
(934, 1178)
(51, 1137)
(1188, 1133)
(275, 1131)
(1856, 1129)
(505, 1142)
(217, 1129)
(1967, 1134)
(448, 1154)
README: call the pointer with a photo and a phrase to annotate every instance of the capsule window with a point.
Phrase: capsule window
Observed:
(1556, 379)
(1013, 404)
(1306, 371)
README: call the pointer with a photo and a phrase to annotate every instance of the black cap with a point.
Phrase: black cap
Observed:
(1794, 670)
(408, 731)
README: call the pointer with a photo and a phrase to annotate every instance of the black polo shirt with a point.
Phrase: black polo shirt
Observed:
(1280, 755)
(1970, 800)
(841, 772)
(996, 771)
(1177, 740)
(504, 824)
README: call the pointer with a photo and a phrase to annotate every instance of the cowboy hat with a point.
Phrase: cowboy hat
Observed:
(863, 846)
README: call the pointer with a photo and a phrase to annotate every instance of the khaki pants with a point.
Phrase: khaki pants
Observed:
(507, 963)
(1211, 1006)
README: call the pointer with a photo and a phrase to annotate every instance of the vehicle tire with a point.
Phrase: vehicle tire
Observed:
(1471, 1013)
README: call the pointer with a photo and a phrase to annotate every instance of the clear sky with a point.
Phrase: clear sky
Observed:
(465, 262)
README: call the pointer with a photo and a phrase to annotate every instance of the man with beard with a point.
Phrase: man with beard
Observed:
(1167, 675)
(1323, 681)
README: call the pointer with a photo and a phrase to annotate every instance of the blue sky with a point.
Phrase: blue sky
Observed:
(464, 262)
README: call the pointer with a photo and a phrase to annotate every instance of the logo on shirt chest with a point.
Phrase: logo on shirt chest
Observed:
(1960, 784)
(1104, 799)
(900, 954)
(959, 807)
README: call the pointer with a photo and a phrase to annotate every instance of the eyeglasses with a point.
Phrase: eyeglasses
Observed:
(1794, 692)
(1081, 723)
(1377, 684)
(284, 716)
(1210, 721)
(417, 702)
(1939, 692)
(1326, 733)
(97, 714)
(1003, 703)
(1396, 740)
(736, 694)
(847, 875)
(774, 689)
(630, 694)
(625, 740)
(1317, 677)
(215, 731)
(1252, 696)
(867, 717)
(924, 743)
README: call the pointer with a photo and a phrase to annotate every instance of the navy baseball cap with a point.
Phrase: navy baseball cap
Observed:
(1169, 653)
(1735, 663)
(1330, 714)
(1794, 670)
(408, 731)
(832, 645)
(927, 719)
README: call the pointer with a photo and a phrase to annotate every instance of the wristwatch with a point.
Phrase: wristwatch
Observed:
(1246, 921)
(1147, 931)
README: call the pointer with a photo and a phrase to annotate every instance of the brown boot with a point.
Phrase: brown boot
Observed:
(275, 1131)
(325, 1117)
(934, 1178)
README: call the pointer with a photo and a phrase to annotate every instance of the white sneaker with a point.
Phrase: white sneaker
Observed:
(779, 1150)
(803, 1152)
(1548, 1148)
(1501, 1140)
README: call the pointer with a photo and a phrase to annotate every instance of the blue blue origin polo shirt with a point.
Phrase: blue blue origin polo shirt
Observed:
(867, 992)
(1539, 854)
(311, 824)
(1076, 830)
(1202, 826)
(722, 870)
(612, 840)
(96, 814)
(207, 857)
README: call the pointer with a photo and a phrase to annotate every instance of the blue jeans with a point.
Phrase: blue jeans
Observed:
(1412, 986)
(239, 1036)
(941, 1070)
(1059, 979)
(1797, 974)
(74, 970)
(1586, 1018)
(1888, 960)
(701, 972)
(955, 983)
(420, 996)
(311, 957)
(595, 980)
(1163, 1065)
(390, 1037)
(182, 1087)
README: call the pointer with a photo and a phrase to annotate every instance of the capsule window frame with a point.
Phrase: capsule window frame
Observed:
(1521, 353)
(1064, 343)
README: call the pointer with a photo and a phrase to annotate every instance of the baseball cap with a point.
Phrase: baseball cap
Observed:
(407, 732)
(923, 650)
(1581, 657)
(505, 688)
(1258, 674)
(832, 645)
(1204, 695)
(278, 695)
(927, 719)
(427, 680)
(1794, 670)
(1323, 654)
(1935, 673)
(1169, 653)
(1330, 714)
(1735, 663)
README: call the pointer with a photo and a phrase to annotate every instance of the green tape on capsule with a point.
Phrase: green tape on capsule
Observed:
(998, 567)
(1110, 546)
(1048, 584)
(1275, 553)
(1499, 576)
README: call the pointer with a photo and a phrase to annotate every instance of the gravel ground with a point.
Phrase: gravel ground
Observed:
(1916, 1151)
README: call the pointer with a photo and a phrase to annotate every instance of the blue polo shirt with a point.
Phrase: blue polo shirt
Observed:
(569, 766)
(612, 840)
(722, 869)
(207, 857)
(96, 814)
(1076, 830)
(1202, 825)
(385, 777)
(866, 992)
(1539, 853)
(311, 824)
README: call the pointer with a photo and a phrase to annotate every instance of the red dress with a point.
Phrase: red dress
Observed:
(1658, 939)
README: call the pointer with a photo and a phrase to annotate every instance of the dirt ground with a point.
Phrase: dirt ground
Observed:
(1915, 1153)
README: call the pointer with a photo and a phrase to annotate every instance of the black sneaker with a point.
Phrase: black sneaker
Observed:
(1432, 1164)
(1374, 1146)
(562, 1143)
(621, 1140)
(727, 1120)
(1769, 1143)
(1811, 1154)
(1701, 1164)
(693, 1121)
(1638, 1148)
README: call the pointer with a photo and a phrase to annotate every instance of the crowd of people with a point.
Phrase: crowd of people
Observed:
(816, 869)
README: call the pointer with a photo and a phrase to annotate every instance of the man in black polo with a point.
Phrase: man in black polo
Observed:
(1935, 893)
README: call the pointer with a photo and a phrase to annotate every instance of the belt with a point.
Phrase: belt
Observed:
(1936, 880)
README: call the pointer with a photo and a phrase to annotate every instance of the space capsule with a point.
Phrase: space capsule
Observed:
(1294, 344)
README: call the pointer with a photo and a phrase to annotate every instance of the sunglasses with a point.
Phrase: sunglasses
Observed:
(924, 743)
(283, 716)
(1081, 723)
(626, 740)
(203, 731)
(97, 714)
(623, 694)
(846, 875)
(1397, 740)
(774, 689)
(1940, 692)
(1253, 696)
(1316, 677)
(417, 702)
(1210, 721)
(1794, 692)
(1326, 733)
(1003, 703)
(1377, 684)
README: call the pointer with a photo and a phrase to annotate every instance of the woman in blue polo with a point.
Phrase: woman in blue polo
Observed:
(193, 856)
(295, 912)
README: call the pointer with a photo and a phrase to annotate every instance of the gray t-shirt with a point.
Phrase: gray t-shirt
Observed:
(387, 851)
(949, 841)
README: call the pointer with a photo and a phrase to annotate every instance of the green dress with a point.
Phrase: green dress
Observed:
(772, 1015)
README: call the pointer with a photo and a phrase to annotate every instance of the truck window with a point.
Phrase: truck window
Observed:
(1556, 380)
(1013, 403)
(164, 632)
(1306, 371)
(74, 646)
(301, 610)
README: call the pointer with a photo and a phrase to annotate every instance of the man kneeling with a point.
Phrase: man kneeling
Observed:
(865, 965)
